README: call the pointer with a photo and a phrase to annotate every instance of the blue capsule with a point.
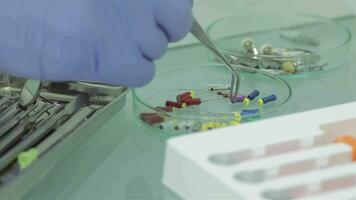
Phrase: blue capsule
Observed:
(249, 112)
(267, 99)
(253, 94)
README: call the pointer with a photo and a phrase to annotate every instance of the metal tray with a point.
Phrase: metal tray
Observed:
(105, 99)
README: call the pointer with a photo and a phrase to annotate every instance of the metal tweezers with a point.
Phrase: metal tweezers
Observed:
(200, 34)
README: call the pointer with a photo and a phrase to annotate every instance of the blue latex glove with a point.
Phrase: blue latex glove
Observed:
(110, 41)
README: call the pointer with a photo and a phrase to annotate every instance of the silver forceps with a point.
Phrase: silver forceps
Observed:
(200, 34)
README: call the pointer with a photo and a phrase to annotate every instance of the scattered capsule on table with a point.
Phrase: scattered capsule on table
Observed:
(193, 102)
(266, 100)
(253, 94)
(174, 104)
(151, 118)
(220, 93)
(249, 112)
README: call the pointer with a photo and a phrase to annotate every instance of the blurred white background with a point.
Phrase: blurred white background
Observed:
(207, 11)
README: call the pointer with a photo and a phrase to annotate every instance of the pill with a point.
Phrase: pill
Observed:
(151, 118)
(165, 108)
(204, 127)
(238, 99)
(182, 97)
(289, 67)
(249, 112)
(210, 125)
(246, 101)
(253, 94)
(266, 49)
(234, 123)
(249, 46)
(267, 99)
(195, 101)
(237, 117)
(219, 93)
(186, 94)
(174, 104)
(349, 140)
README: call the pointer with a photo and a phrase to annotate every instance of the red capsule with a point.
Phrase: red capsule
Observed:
(174, 104)
(165, 108)
(195, 101)
(184, 97)
(186, 94)
(151, 118)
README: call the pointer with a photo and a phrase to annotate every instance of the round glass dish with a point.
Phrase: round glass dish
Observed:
(286, 43)
(215, 110)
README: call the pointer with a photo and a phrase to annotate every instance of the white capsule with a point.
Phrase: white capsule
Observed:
(266, 49)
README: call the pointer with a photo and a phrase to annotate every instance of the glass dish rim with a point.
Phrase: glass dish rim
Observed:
(346, 42)
(204, 115)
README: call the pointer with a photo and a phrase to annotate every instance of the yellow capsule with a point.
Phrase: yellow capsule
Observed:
(260, 102)
(192, 94)
(204, 127)
(234, 123)
(237, 116)
(210, 125)
(289, 67)
(246, 101)
(217, 125)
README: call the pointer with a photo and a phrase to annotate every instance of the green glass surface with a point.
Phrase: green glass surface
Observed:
(124, 159)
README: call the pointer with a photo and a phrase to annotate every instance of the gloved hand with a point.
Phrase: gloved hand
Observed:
(110, 41)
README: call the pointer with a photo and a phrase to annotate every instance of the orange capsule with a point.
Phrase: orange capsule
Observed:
(349, 140)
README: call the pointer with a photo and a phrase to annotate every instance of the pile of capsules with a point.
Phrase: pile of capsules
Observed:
(246, 100)
(183, 100)
(276, 60)
(188, 99)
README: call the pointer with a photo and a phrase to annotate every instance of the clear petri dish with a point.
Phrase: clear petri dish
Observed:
(302, 44)
(215, 110)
